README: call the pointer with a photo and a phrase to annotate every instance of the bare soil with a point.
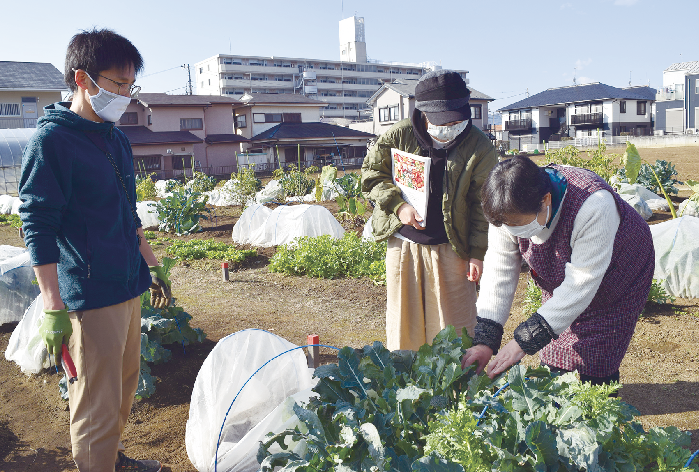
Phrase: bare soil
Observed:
(660, 372)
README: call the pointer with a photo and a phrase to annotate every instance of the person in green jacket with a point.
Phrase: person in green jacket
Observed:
(432, 266)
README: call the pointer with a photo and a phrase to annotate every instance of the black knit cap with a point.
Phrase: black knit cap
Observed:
(442, 96)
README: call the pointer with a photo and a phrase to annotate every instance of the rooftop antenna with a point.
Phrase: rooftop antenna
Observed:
(630, 78)
(527, 92)
(575, 82)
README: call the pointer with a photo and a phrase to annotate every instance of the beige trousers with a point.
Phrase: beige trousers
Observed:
(106, 349)
(427, 289)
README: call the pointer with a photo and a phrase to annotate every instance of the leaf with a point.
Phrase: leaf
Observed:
(578, 444)
(434, 463)
(349, 370)
(311, 420)
(409, 393)
(373, 440)
(542, 442)
(631, 162)
(694, 185)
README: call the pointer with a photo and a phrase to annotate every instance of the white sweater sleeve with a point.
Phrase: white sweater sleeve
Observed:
(592, 240)
(501, 268)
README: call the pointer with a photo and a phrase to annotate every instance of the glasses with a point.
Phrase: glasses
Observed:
(133, 89)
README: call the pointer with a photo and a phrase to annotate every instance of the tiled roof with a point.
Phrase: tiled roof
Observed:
(691, 67)
(142, 135)
(582, 93)
(406, 88)
(163, 99)
(285, 98)
(309, 131)
(225, 138)
(30, 76)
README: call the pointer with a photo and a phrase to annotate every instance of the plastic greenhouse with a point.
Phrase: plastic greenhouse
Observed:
(12, 144)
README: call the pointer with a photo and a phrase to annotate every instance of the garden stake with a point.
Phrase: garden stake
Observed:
(314, 353)
(224, 271)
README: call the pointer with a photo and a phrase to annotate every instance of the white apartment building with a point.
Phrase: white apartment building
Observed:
(345, 84)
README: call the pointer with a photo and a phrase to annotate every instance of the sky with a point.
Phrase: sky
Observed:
(509, 47)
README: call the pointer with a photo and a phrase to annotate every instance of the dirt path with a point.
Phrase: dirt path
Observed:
(660, 372)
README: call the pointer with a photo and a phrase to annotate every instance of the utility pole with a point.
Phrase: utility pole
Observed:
(189, 79)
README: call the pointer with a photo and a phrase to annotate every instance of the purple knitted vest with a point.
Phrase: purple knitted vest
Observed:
(596, 342)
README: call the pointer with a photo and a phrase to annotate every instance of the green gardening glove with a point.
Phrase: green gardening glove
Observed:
(55, 330)
(160, 294)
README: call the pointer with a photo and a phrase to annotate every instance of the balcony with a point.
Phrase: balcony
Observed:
(519, 125)
(587, 119)
(667, 94)
(12, 123)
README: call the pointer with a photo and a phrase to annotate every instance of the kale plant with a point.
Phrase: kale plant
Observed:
(202, 183)
(296, 183)
(373, 409)
(180, 212)
(538, 422)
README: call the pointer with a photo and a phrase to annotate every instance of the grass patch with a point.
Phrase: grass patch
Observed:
(11, 220)
(208, 249)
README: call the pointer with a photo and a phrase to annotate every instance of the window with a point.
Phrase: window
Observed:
(383, 114)
(240, 121)
(641, 108)
(292, 117)
(9, 109)
(191, 123)
(476, 112)
(147, 163)
(209, 81)
(129, 118)
(201, 70)
(150, 120)
(181, 162)
(622, 106)
(267, 117)
(696, 87)
(393, 113)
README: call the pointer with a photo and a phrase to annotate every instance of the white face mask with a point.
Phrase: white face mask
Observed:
(531, 229)
(446, 133)
(107, 105)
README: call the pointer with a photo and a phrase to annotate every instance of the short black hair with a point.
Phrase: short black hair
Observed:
(98, 50)
(514, 186)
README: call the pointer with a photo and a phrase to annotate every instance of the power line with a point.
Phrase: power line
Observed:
(178, 88)
(154, 73)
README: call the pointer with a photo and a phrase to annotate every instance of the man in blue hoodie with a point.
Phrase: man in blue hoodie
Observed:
(87, 247)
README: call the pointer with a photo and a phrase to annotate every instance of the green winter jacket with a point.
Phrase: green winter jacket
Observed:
(468, 164)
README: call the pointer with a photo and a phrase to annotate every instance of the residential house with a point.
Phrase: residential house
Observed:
(343, 85)
(278, 126)
(395, 101)
(576, 111)
(25, 89)
(677, 102)
(169, 133)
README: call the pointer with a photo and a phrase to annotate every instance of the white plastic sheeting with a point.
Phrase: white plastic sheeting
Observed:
(689, 208)
(272, 192)
(160, 188)
(638, 204)
(148, 213)
(262, 227)
(26, 347)
(227, 195)
(16, 288)
(677, 255)
(256, 401)
(368, 232)
(8, 203)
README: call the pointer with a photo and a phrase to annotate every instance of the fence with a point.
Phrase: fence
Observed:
(668, 140)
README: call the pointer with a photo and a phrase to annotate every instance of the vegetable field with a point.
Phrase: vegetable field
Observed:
(660, 372)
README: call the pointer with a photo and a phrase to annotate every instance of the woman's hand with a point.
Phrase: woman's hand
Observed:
(409, 216)
(479, 353)
(506, 358)
(475, 269)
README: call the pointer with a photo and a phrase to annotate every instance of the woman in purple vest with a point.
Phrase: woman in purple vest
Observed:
(589, 252)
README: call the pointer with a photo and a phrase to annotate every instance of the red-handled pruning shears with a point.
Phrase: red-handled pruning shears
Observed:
(67, 364)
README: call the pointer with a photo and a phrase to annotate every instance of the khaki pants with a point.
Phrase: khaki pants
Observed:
(427, 289)
(106, 349)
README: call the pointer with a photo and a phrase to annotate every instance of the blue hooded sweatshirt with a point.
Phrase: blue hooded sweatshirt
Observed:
(75, 211)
